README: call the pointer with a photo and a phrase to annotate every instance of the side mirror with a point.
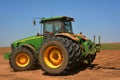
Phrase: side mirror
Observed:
(34, 22)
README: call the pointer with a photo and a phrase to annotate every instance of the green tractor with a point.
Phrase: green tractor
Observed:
(57, 50)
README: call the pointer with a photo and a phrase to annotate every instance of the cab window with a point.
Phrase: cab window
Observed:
(67, 26)
(57, 27)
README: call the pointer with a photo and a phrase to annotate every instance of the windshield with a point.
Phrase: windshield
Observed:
(48, 27)
(52, 26)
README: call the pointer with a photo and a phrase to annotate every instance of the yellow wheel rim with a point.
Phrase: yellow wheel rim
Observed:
(22, 59)
(53, 57)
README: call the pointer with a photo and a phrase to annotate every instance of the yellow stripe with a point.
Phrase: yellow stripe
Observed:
(28, 39)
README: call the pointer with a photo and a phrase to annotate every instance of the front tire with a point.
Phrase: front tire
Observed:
(21, 59)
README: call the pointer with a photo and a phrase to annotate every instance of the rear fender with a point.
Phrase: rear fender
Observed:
(82, 36)
(69, 35)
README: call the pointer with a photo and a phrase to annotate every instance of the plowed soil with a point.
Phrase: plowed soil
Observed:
(106, 66)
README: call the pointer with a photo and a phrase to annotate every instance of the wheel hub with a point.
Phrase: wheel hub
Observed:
(22, 59)
(53, 57)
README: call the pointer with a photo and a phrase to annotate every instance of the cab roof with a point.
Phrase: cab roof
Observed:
(56, 18)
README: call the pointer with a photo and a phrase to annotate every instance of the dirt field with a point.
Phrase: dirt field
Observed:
(105, 67)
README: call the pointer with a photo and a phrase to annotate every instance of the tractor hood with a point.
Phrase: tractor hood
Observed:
(33, 40)
(26, 39)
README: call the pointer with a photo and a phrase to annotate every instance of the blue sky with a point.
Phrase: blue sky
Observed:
(92, 17)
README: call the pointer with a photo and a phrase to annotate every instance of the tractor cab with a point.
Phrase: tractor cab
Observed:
(57, 25)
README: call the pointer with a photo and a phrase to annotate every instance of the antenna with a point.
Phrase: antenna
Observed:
(51, 8)
(94, 38)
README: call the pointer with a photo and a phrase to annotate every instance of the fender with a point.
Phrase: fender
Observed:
(31, 48)
(69, 35)
(82, 36)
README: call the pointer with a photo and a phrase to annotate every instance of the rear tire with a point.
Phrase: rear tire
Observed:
(21, 59)
(66, 47)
